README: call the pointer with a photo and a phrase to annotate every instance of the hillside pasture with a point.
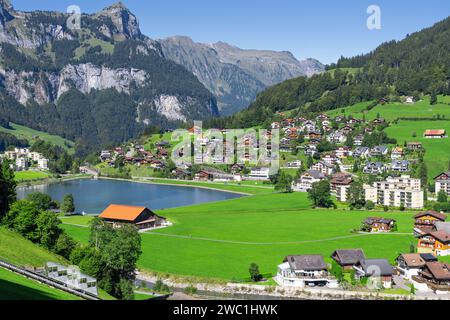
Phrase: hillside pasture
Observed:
(392, 111)
(31, 135)
(17, 287)
(437, 155)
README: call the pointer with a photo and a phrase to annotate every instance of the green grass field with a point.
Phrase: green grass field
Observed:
(248, 187)
(17, 287)
(219, 240)
(31, 134)
(21, 176)
(437, 156)
(392, 111)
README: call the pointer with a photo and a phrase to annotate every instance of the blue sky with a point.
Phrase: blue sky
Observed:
(322, 29)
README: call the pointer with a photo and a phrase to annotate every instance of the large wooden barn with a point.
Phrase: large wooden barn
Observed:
(142, 217)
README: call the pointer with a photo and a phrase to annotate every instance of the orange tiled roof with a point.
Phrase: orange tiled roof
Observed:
(434, 132)
(122, 212)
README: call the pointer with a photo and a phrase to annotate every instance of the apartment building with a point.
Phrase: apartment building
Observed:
(396, 192)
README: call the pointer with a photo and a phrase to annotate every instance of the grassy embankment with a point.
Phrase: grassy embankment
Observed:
(19, 251)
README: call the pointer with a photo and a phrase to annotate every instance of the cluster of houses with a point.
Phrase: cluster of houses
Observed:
(338, 165)
(311, 270)
(135, 154)
(22, 159)
(422, 269)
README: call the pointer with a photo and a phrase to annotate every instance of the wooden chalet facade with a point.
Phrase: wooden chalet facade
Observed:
(377, 224)
(424, 222)
(141, 217)
(442, 182)
(435, 242)
(434, 277)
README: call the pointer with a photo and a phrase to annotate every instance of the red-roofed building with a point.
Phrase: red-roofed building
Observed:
(141, 217)
(435, 134)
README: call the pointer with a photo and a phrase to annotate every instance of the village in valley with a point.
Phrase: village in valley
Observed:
(339, 162)
(134, 167)
(354, 165)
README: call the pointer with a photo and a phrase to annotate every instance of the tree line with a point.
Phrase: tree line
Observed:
(110, 256)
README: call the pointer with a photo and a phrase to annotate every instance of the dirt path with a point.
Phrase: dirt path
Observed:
(274, 243)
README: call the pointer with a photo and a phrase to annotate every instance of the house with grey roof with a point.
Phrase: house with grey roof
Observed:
(358, 140)
(442, 226)
(348, 258)
(379, 271)
(378, 224)
(361, 152)
(379, 151)
(400, 165)
(308, 270)
(307, 179)
(374, 168)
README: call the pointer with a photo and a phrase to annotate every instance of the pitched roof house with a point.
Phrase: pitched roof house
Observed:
(409, 264)
(307, 179)
(435, 277)
(361, 152)
(435, 134)
(424, 222)
(374, 168)
(141, 217)
(378, 224)
(348, 258)
(435, 242)
(379, 151)
(400, 165)
(442, 182)
(375, 267)
(304, 270)
(414, 145)
(397, 153)
(340, 184)
(323, 167)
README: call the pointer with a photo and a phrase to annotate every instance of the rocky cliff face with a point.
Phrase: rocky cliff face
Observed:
(57, 75)
(125, 23)
(235, 75)
(42, 59)
(46, 87)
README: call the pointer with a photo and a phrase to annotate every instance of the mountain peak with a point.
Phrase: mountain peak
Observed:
(117, 5)
(6, 4)
(123, 19)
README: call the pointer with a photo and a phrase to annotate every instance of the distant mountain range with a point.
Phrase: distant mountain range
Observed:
(235, 76)
(414, 66)
(106, 82)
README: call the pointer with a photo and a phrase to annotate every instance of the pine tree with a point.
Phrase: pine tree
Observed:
(7, 188)
(433, 98)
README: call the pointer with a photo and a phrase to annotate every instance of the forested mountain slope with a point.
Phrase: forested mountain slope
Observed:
(99, 84)
(418, 64)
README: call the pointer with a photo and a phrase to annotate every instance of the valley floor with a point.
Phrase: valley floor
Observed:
(218, 241)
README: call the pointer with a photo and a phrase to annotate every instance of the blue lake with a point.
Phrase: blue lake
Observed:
(93, 196)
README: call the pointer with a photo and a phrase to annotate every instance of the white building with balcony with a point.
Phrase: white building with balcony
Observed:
(304, 271)
(396, 192)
